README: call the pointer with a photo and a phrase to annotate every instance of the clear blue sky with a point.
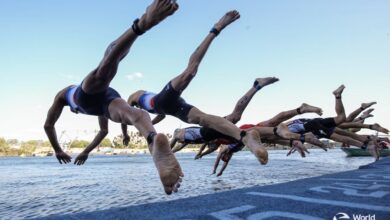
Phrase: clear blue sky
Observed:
(312, 46)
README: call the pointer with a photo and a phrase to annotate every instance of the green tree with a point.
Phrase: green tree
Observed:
(105, 143)
(117, 142)
(12, 142)
(46, 144)
(79, 144)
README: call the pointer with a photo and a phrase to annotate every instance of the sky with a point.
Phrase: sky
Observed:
(311, 46)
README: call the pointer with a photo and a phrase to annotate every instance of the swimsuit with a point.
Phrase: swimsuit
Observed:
(146, 101)
(320, 127)
(167, 102)
(90, 104)
(192, 135)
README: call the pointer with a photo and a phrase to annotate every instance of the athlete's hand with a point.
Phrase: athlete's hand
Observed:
(126, 140)
(297, 146)
(62, 157)
(81, 158)
(198, 156)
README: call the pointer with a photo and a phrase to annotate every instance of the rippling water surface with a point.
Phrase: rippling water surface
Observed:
(36, 187)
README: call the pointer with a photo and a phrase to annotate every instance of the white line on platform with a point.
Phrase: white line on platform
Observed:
(366, 180)
(324, 201)
(227, 214)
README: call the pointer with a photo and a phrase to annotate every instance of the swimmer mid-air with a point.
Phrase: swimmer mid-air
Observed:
(94, 97)
(169, 101)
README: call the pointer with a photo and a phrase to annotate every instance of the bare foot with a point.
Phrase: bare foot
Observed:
(368, 112)
(156, 12)
(227, 19)
(305, 108)
(338, 91)
(166, 163)
(260, 153)
(379, 128)
(266, 81)
(367, 105)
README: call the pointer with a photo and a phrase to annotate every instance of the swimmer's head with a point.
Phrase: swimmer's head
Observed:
(178, 134)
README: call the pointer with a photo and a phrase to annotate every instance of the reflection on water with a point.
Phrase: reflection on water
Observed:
(35, 187)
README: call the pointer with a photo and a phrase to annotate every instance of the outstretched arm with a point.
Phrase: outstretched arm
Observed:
(217, 162)
(83, 156)
(53, 115)
(201, 149)
(226, 162)
(211, 148)
(126, 138)
(178, 148)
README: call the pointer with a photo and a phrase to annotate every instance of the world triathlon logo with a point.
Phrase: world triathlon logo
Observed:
(340, 216)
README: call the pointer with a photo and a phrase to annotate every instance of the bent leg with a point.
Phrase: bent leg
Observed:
(286, 115)
(195, 116)
(340, 118)
(282, 132)
(347, 140)
(168, 167)
(250, 139)
(375, 126)
(361, 138)
(355, 113)
(181, 82)
(243, 102)
(99, 79)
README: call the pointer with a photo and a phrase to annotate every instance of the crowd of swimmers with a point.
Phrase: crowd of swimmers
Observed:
(94, 96)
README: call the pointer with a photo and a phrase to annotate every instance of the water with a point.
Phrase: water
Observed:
(37, 187)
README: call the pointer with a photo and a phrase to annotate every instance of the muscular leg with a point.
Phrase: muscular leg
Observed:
(366, 114)
(372, 147)
(340, 118)
(251, 139)
(180, 82)
(243, 102)
(99, 79)
(283, 133)
(166, 163)
(355, 113)
(375, 126)
(347, 140)
(361, 138)
(286, 115)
